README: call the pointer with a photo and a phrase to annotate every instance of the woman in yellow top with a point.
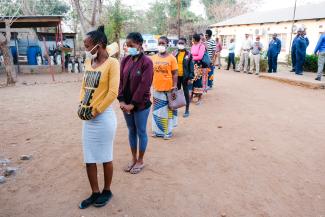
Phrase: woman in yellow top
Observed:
(164, 81)
(99, 90)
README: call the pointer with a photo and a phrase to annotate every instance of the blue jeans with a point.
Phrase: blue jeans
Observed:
(137, 126)
(210, 82)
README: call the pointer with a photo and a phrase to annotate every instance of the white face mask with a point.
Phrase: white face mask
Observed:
(181, 46)
(161, 49)
(91, 56)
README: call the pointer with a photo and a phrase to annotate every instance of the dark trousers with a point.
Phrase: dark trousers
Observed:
(273, 62)
(293, 60)
(184, 82)
(300, 60)
(231, 60)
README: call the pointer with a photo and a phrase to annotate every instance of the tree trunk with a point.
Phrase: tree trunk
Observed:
(94, 13)
(9, 67)
(81, 17)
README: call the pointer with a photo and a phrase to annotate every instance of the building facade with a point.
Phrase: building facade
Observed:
(264, 24)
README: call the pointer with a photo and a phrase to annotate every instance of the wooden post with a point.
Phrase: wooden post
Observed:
(293, 22)
(48, 58)
(8, 33)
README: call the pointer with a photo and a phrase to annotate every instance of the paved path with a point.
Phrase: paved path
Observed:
(254, 148)
(306, 80)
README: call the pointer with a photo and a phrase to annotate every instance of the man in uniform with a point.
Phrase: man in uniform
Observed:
(301, 47)
(293, 53)
(273, 52)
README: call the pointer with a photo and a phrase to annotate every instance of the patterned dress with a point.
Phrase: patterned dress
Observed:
(164, 119)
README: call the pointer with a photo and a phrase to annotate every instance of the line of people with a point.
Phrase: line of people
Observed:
(105, 79)
(253, 51)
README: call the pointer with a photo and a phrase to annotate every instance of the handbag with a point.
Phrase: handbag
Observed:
(206, 59)
(178, 102)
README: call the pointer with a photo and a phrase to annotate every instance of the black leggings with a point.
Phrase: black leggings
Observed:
(184, 82)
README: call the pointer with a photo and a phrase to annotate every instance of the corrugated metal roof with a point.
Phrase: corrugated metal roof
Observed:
(305, 12)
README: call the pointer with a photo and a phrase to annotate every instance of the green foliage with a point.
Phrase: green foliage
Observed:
(10, 8)
(37, 7)
(173, 6)
(50, 7)
(117, 17)
(156, 18)
(311, 63)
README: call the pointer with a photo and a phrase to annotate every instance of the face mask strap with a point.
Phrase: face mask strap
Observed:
(93, 48)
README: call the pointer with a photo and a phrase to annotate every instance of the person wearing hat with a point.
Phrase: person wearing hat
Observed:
(244, 53)
(301, 47)
(273, 52)
(256, 56)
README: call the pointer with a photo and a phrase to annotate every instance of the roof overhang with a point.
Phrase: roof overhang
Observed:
(32, 21)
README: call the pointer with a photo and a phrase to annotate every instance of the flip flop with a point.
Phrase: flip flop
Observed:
(137, 169)
(129, 167)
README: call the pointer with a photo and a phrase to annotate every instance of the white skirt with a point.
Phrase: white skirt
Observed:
(98, 137)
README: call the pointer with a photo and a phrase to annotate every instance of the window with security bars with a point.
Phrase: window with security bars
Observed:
(225, 39)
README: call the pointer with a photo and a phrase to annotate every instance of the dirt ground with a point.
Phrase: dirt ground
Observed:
(254, 148)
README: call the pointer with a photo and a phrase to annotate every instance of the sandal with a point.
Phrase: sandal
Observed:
(129, 167)
(137, 169)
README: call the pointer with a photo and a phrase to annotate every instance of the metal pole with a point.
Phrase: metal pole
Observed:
(293, 22)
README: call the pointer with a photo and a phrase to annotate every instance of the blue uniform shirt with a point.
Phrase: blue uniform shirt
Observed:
(320, 47)
(294, 43)
(301, 46)
(274, 47)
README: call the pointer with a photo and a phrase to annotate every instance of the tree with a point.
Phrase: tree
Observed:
(9, 68)
(117, 18)
(83, 15)
(218, 10)
(33, 7)
(156, 17)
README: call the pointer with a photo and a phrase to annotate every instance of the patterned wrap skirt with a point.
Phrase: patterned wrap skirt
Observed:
(98, 137)
(163, 118)
(200, 80)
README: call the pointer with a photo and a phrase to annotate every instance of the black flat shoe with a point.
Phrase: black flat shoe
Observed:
(104, 198)
(89, 201)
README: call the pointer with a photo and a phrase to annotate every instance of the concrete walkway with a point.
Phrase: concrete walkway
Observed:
(307, 80)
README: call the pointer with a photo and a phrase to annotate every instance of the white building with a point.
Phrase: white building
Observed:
(265, 23)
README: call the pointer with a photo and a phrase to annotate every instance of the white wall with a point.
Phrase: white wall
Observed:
(314, 29)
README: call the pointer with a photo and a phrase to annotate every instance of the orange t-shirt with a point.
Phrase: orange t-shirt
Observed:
(163, 67)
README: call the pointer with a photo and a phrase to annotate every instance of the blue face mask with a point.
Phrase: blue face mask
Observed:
(133, 51)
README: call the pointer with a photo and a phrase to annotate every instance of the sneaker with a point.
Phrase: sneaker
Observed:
(104, 198)
(250, 72)
(186, 114)
(89, 201)
(257, 73)
(292, 70)
(166, 137)
(318, 79)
